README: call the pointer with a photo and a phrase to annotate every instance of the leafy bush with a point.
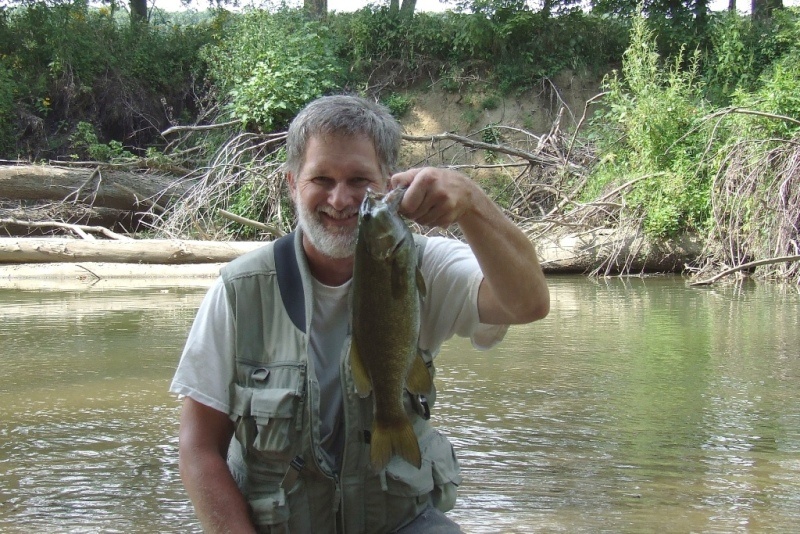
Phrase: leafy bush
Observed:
(85, 141)
(511, 43)
(268, 65)
(650, 129)
(778, 94)
(398, 104)
(743, 50)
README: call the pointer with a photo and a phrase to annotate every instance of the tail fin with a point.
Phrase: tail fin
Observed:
(397, 438)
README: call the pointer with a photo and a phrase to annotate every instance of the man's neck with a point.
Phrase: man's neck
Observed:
(327, 270)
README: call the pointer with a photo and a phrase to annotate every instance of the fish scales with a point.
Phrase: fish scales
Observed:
(387, 287)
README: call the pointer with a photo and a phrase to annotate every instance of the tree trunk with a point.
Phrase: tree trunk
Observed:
(701, 11)
(407, 8)
(732, 6)
(115, 189)
(547, 7)
(146, 251)
(138, 11)
(762, 9)
(316, 9)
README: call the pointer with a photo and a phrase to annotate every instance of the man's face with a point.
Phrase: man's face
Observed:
(329, 188)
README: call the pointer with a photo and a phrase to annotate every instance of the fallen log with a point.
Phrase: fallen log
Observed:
(101, 276)
(108, 188)
(605, 252)
(137, 251)
(16, 217)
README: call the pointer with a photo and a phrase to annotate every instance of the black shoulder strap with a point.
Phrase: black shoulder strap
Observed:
(290, 282)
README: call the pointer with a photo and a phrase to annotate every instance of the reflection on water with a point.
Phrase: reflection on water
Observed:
(635, 406)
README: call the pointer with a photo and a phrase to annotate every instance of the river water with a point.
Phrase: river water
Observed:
(636, 406)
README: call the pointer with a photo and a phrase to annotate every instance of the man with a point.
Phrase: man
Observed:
(273, 436)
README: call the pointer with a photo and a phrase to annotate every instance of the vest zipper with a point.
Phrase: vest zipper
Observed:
(338, 497)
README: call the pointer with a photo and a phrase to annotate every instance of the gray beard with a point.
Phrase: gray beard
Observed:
(337, 245)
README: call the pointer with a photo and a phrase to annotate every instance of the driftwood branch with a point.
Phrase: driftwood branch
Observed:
(199, 128)
(79, 229)
(743, 266)
(131, 165)
(272, 230)
(744, 111)
(538, 159)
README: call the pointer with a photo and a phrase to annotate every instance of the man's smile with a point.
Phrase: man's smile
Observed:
(338, 219)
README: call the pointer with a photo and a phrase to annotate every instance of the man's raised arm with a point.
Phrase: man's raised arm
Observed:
(514, 290)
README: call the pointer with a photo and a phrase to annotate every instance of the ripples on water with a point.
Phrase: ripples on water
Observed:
(634, 407)
(89, 434)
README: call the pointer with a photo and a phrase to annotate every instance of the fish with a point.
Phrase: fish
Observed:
(384, 359)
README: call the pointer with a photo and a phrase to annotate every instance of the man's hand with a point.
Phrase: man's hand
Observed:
(514, 289)
(435, 196)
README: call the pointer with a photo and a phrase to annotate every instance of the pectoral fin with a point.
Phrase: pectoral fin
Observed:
(419, 379)
(423, 291)
(360, 374)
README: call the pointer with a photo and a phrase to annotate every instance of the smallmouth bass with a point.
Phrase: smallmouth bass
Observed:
(384, 359)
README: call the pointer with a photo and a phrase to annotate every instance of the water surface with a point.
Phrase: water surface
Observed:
(637, 405)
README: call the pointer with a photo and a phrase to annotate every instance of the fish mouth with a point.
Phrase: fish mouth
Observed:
(365, 211)
(394, 197)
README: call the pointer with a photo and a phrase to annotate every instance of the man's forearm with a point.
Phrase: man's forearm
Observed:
(217, 501)
(509, 263)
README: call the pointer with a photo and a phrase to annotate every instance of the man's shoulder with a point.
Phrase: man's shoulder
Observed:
(258, 261)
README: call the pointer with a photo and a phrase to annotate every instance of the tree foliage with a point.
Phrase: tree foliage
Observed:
(268, 65)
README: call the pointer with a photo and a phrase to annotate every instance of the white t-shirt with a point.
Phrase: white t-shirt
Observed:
(452, 276)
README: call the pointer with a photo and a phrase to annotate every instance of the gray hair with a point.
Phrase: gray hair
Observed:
(344, 115)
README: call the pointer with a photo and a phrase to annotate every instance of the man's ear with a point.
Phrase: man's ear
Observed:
(291, 182)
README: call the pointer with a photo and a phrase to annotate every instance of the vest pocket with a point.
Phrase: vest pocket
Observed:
(269, 408)
(405, 480)
(271, 513)
(446, 472)
(438, 477)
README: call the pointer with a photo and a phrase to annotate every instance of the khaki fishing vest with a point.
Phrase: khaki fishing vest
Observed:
(275, 455)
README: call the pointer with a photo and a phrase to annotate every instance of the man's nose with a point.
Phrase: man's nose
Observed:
(341, 196)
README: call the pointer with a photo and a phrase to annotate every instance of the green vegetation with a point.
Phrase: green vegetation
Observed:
(74, 63)
(648, 130)
(684, 164)
(266, 66)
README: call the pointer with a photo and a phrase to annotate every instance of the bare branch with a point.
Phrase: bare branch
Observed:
(743, 266)
(273, 230)
(79, 229)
